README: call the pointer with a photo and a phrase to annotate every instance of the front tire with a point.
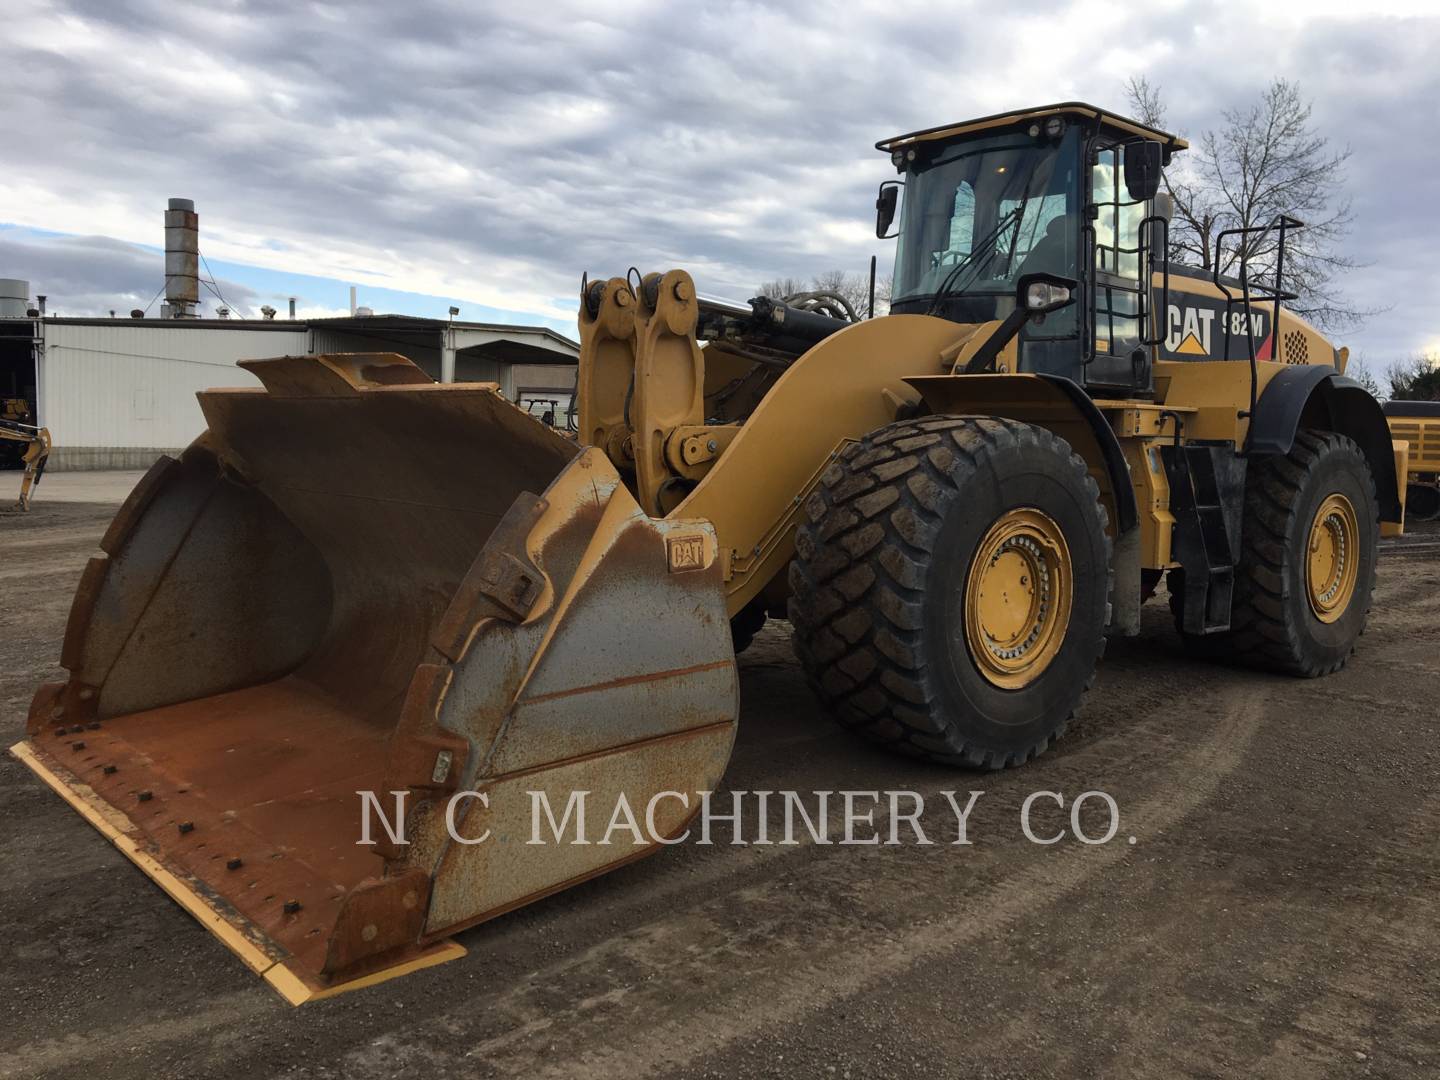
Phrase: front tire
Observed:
(949, 591)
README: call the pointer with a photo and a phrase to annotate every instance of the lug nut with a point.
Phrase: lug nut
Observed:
(109, 770)
(234, 864)
(94, 725)
(187, 826)
(60, 731)
(145, 796)
(292, 906)
(78, 745)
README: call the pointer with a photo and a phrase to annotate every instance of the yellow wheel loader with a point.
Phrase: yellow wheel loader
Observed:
(360, 588)
(1417, 424)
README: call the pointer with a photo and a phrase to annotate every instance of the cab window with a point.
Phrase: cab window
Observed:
(1117, 228)
(1117, 255)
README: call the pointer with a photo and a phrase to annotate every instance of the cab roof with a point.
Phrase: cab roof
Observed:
(1019, 116)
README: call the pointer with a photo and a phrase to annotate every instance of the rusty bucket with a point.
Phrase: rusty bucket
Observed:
(356, 581)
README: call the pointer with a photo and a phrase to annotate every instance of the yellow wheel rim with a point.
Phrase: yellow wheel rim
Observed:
(1017, 598)
(1332, 558)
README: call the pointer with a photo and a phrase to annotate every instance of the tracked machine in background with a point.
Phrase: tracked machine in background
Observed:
(23, 444)
(358, 580)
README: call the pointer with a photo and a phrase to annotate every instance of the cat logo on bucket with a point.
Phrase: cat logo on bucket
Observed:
(1191, 330)
(685, 553)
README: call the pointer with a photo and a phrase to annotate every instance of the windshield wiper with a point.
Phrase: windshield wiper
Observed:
(952, 279)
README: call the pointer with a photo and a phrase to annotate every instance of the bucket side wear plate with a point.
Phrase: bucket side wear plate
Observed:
(619, 680)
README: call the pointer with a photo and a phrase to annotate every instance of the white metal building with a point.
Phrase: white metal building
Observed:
(116, 393)
(524, 360)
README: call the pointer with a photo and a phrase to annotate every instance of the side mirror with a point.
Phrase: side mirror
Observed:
(885, 204)
(1157, 238)
(1037, 294)
(1143, 162)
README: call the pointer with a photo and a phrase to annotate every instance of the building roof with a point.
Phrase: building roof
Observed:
(391, 324)
(196, 324)
(421, 324)
(1020, 116)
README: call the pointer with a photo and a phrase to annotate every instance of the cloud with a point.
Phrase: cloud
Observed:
(93, 275)
(494, 152)
(1371, 81)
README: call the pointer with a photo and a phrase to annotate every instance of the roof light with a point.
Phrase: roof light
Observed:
(1054, 126)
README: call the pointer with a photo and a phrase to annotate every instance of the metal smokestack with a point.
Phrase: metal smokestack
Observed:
(14, 298)
(182, 258)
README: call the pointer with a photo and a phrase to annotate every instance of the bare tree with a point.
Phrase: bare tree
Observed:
(1264, 161)
(855, 288)
(1359, 369)
(782, 287)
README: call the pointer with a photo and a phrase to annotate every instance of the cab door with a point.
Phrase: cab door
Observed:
(1119, 362)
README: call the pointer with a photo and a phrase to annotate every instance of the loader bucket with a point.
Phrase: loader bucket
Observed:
(360, 581)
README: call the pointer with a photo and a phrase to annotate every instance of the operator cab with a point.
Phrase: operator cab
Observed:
(1065, 191)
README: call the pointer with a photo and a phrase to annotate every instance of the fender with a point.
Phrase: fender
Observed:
(1059, 404)
(1318, 396)
(1042, 400)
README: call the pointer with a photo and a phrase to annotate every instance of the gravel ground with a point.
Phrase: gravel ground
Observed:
(1277, 915)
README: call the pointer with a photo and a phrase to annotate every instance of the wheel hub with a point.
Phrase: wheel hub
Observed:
(1017, 598)
(1333, 558)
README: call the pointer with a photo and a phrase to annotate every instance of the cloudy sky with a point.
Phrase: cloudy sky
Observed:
(484, 155)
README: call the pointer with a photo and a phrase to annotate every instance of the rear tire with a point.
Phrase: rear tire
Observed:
(1422, 502)
(1298, 610)
(898, 545)
(748, 622)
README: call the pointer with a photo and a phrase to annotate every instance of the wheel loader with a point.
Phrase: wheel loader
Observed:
(1417, 424)
(360, 581)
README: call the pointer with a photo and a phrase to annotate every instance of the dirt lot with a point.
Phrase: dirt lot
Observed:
(1277, 915)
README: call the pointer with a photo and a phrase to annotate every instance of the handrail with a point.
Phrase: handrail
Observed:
(1158, 335)
(1282, 223)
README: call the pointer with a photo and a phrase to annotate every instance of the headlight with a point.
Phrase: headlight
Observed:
(1054, 126)
(1043, 296)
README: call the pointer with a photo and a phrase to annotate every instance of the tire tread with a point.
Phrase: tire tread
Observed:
(1264, 629)
(856, 584)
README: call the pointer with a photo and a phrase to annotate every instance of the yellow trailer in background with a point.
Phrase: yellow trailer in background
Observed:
(1417, 423)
